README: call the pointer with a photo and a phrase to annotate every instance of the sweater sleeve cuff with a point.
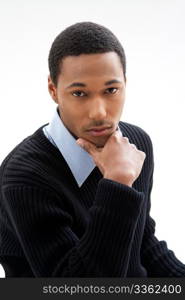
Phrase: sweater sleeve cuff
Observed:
(115, 196)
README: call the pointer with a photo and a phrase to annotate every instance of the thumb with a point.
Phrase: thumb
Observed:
(87, 146)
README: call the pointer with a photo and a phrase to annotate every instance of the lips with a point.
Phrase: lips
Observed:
(98, 128)
(99, 131)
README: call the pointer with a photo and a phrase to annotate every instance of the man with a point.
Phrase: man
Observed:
(75, 195)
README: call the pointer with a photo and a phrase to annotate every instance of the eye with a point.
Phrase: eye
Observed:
(111, 90)
(78, 94)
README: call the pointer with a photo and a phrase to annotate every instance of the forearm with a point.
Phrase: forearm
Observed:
(52, 249)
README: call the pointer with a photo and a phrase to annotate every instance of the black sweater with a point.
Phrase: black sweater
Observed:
(51, 227)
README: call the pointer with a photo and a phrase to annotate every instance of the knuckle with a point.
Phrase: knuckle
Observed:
(143, 154)
(125, 139)
(132, 174)
(114, 137)
(133, 146)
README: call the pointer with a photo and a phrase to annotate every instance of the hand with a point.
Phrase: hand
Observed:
(118, 160)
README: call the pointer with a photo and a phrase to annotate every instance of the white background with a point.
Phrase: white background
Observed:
(153, 35)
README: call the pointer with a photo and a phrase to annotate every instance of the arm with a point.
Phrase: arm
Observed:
(50, 245)
(158, 260)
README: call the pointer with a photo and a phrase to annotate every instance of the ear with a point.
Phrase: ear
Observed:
(52, 89)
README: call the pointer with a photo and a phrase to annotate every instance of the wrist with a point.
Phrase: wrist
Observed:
(119, 179)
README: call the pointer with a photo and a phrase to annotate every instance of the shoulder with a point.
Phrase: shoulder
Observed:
(14, 153)
(23, 161)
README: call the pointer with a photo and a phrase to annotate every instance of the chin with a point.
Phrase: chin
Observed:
(99, 141)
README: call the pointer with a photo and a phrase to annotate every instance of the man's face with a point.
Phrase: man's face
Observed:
(90, 93)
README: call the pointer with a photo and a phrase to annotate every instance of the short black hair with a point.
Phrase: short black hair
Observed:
(83, 38)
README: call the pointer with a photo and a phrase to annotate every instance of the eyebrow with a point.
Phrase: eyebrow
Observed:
(81, 84)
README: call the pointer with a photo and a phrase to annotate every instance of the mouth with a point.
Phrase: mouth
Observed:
(99, 131)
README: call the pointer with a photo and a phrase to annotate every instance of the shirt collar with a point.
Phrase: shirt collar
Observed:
(81, 164)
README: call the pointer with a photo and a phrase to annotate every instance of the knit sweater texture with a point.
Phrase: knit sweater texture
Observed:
(51, 227)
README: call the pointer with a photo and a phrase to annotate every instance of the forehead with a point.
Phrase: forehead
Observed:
(86, 66)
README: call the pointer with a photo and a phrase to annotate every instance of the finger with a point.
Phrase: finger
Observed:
(133, 146)
(143, 154)
(125, 138)
(117, 133)
(87, 146)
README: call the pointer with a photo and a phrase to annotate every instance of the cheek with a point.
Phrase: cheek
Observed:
(116, 107)
(72, 117)
(121, 103)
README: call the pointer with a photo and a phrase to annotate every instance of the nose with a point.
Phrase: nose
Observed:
(97, 109)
